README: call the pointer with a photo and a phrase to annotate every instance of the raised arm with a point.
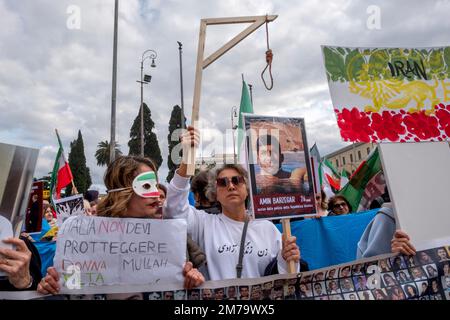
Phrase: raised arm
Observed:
(177, 203)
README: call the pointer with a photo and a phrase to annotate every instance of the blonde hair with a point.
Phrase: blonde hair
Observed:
(120, 174)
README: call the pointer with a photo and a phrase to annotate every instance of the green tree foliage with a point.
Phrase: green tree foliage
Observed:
(151, 146)
(102, 153)
(173, 139)
(77, 162)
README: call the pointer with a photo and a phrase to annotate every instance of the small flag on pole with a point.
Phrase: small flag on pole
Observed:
(330, 179)
(61, 175)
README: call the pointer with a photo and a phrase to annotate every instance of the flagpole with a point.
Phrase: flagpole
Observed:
(57, 136)
(74, 189)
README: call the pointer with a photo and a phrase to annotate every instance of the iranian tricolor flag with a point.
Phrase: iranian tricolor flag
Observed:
(61, 175)
(329, 178)
(344, 178)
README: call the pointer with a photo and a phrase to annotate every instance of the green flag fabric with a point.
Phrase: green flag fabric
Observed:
(344, 178)
(245, 107)
(354, 189)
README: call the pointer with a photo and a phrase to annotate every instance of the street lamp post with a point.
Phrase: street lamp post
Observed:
(112, 140)
(234, 127)
(145, 79)
(180, 45)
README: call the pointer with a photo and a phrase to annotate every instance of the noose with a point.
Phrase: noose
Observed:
(269, 58)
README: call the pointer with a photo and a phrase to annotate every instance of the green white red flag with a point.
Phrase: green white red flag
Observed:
(344, 178)
(61, 175)
(329, 176)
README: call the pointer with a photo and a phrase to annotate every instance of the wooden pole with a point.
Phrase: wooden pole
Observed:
(286, 223)
(74, 189)
(197, 92)
(256, 21)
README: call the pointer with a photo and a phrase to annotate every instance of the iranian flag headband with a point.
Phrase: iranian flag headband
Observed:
(144, 185)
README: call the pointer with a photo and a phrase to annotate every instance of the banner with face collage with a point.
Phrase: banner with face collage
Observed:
(426, 276)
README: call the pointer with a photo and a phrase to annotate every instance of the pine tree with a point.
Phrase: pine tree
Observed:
(77, 161)
(151, 146)
(174, 124)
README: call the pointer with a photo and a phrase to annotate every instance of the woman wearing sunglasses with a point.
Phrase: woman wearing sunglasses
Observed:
(222, 236)
(339, 206)
(132, 193)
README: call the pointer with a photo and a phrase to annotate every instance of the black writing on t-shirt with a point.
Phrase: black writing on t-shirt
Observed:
(248, 249)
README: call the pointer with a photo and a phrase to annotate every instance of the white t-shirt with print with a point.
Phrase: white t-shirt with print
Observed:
(220, 237)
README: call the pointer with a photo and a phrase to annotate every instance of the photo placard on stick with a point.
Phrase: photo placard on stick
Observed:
(279, 167)
(102, 251)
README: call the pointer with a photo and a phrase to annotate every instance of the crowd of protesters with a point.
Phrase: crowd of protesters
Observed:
(218, 216)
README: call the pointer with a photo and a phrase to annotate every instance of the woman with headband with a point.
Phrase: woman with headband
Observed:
(132, 193)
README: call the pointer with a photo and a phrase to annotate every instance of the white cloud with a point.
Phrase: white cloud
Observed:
(53, 77)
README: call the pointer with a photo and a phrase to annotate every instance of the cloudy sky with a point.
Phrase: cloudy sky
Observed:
(56, 75)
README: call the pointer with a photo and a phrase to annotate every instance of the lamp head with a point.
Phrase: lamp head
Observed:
(153, 65)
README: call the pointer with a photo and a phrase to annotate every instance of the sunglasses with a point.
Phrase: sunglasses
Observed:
(340, 204)
(225, 182)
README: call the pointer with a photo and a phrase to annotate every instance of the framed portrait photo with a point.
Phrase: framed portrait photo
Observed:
(281, 183)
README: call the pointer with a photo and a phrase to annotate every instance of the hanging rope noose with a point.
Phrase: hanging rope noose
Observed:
(269, 58)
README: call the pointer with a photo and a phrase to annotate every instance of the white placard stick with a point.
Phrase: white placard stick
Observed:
(286, 223)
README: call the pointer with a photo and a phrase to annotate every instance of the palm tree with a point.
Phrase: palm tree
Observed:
(102, 153)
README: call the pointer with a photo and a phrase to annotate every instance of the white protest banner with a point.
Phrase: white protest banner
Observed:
(103, 251)
(425, 166)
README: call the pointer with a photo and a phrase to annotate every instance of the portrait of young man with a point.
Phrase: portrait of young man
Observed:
(279, 167)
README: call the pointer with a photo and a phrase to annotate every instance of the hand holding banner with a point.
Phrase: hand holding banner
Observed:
(101, 251)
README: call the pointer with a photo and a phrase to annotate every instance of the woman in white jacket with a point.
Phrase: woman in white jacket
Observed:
(220, 236)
